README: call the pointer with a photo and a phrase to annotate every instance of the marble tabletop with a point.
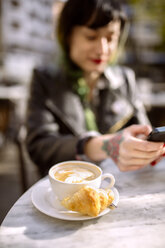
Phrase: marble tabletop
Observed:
(138, 221)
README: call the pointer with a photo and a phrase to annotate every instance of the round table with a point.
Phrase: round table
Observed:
(138, 221)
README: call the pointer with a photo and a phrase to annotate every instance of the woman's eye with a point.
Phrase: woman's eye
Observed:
(113, 39)
(109, 39)
(91, 37)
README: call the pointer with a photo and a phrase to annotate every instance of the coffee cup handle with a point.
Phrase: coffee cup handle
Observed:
(112, 179)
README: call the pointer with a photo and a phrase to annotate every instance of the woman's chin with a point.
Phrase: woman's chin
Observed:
(97, 68)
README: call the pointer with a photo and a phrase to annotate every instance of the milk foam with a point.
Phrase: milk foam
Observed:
(74, 175)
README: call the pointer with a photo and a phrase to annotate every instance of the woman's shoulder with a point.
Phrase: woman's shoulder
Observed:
(48, 71)
(119, 70)
(119, 75)
(49, 76)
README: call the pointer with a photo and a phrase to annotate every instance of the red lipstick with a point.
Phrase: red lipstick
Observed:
(97, 61)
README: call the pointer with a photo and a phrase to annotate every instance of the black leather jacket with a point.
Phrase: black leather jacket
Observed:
(55, 116)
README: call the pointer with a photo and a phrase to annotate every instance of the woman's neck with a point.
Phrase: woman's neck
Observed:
(91, 80)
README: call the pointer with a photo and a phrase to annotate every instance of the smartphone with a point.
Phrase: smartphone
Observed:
(157, 134)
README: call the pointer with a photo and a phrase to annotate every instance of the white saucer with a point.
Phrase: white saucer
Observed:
(44, 200)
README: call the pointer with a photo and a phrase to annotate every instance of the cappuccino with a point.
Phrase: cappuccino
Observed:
(66, 178)
(74, 173)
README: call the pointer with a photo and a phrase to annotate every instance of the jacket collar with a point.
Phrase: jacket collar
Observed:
(113, 75)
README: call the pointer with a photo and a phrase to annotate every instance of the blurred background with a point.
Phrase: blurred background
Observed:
(27, 40)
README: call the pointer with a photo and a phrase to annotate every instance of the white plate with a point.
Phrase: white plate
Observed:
(44, 200)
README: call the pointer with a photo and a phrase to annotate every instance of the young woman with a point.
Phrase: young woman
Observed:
(85, 107)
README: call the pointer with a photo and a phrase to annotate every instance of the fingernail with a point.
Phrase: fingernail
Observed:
(164, 145)
(153, 163)
(163, 155)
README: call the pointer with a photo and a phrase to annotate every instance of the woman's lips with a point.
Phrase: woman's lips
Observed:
(97, 61)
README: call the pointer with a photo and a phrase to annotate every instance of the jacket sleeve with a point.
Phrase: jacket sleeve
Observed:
(133, 91)
(45, 144)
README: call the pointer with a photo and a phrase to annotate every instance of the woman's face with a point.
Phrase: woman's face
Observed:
(92, 49)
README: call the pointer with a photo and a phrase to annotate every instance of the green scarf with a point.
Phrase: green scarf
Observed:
(82, 90)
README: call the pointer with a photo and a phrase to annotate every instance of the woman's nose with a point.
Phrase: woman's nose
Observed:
(102, 46)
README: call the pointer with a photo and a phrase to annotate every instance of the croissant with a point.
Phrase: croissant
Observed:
(89, 201)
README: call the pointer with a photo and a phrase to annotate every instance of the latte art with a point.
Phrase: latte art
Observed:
(74, 175)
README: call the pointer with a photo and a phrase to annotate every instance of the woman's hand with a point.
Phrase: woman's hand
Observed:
(135, 152)
(128, 148)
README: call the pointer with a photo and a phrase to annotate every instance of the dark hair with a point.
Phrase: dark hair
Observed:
(91, 13)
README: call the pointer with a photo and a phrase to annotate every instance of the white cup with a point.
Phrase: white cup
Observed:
(62, 189)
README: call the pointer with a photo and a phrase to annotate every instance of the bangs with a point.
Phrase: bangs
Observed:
(103, 13)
